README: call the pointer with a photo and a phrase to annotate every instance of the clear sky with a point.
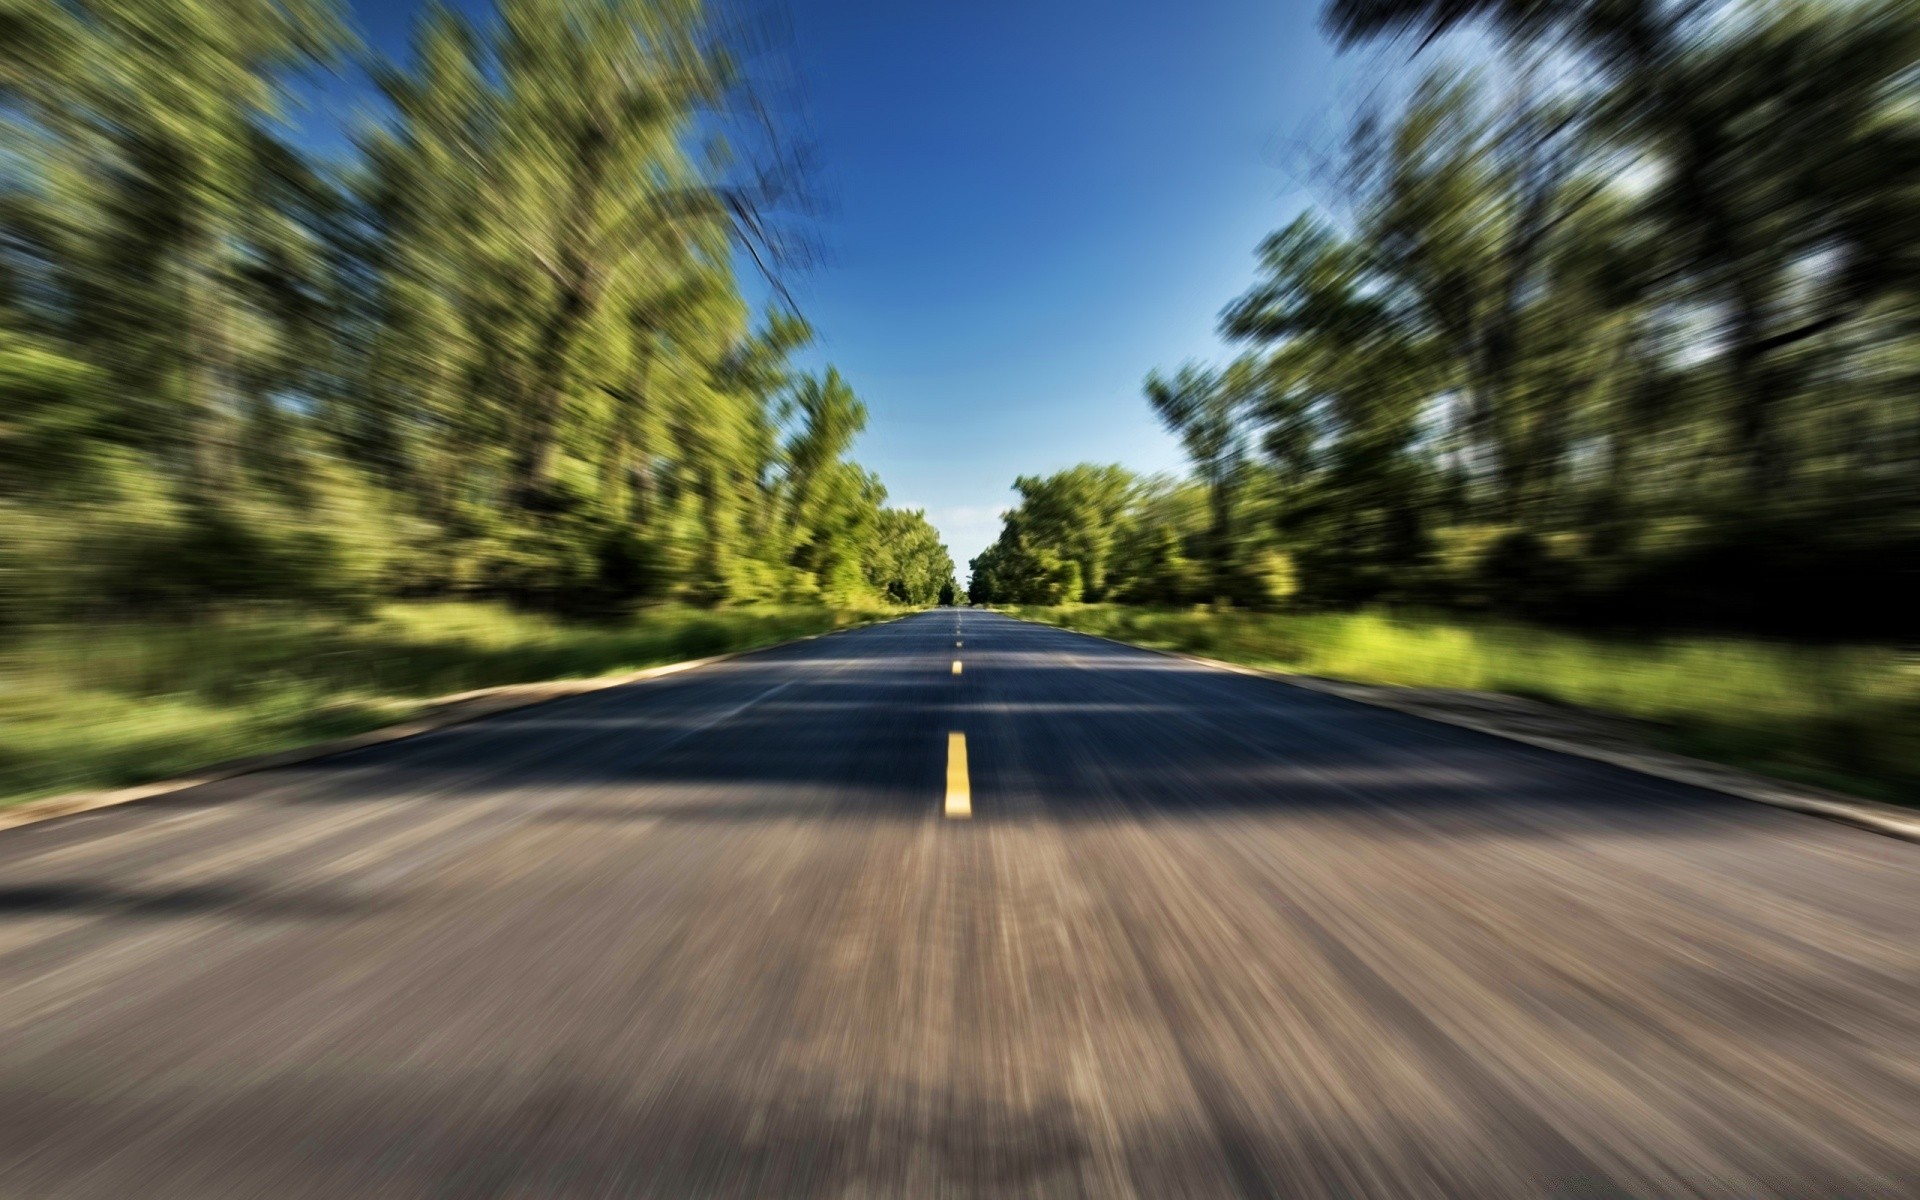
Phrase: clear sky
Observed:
(1027, 205)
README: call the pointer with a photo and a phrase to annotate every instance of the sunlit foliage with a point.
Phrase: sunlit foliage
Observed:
(1611, 314)
(499, 350)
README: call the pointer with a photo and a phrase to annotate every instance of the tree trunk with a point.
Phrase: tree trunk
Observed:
(1756, 439)
(535, 467)
(575, 277)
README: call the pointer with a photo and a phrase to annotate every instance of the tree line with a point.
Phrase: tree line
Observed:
(498, 349)
(1611, 314)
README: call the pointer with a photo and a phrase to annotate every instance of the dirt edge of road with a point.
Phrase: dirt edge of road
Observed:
(1578, 733)
(440, 712)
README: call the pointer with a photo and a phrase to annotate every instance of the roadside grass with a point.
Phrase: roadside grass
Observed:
(111, 705)
(1843, 717)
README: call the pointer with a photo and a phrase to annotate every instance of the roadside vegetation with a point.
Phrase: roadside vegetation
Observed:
(1608, 315)
(1840, 717)
(499, 350)
(119, 704)
(1599, 346)
(289, 441)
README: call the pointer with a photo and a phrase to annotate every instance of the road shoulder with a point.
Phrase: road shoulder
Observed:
(1549, 728)
(438, 713)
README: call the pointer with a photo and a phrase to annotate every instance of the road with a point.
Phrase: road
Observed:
(717, 935)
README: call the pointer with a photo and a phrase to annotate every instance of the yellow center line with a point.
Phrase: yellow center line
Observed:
(959, 791)
(956, 666)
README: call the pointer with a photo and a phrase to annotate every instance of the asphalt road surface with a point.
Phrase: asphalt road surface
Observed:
(717, 935)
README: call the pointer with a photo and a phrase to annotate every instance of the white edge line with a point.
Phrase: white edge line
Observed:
(464, 707)
(1693, 772)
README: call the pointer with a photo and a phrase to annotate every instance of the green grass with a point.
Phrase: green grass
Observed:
(117, 704)
(1839, 717)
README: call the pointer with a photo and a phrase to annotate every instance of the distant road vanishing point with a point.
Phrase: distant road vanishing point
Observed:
(956, 906)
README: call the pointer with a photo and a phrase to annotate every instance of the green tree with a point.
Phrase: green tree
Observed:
(1612, 318)
(501, 350)
(1078, 513)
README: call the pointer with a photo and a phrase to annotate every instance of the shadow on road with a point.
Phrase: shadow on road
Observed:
(226, 899)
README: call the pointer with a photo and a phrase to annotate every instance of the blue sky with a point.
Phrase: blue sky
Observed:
(1026, 207)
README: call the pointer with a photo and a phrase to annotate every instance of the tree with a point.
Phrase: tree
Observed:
(1078, 513)
(910, 565)
(501, 351)
(1209, 411)
(1613, 318)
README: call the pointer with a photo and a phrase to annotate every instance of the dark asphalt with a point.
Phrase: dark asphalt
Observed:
(1205, 935)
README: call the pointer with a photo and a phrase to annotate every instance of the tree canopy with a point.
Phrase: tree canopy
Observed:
(1611, 314)
(498, 350)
